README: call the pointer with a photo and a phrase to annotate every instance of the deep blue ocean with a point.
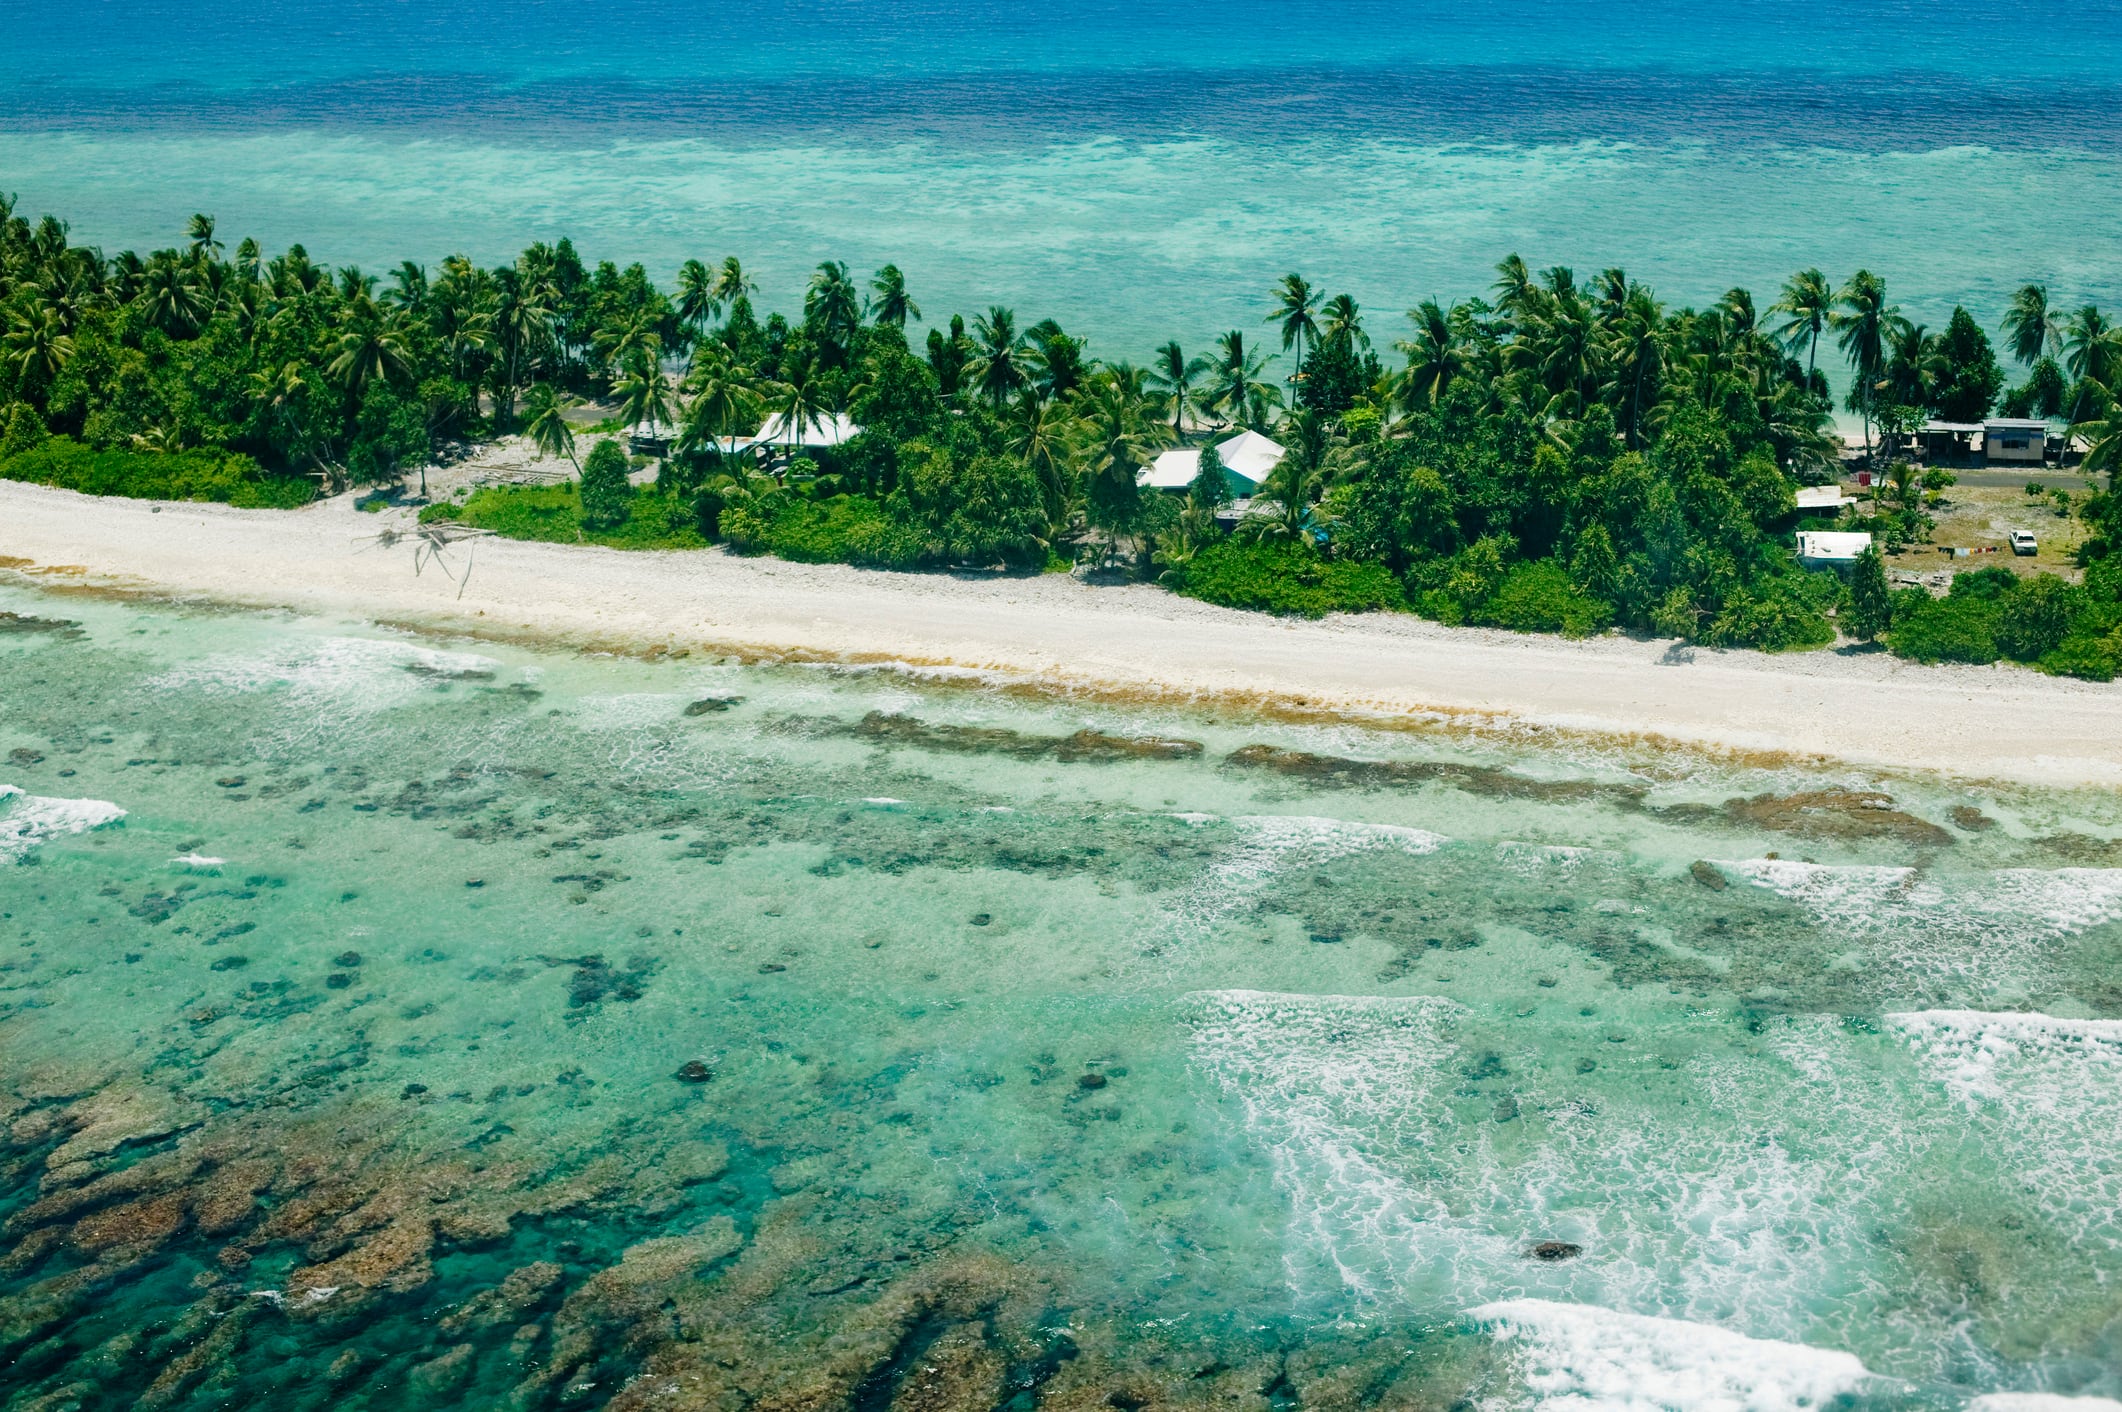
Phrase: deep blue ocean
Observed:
(1138, 170)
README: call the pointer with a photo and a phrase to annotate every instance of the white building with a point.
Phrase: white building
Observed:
(1247, 459)
(1820, 497)
(1827, 549)
(2014, 439)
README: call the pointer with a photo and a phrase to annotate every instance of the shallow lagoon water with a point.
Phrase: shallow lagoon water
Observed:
(451, 1024)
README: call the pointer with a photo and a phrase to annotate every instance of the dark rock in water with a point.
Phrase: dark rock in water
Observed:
(768, 968)
(981, 919)
(1553, 1250)
(338, 980)
(23, 623)
(713, 703)
(347, 959)
(1085, 746)
(595, 979)
(1325, 937)
(230, 782)
(1968, 817)
(1489, 1066)
(412, 1090)
(693, 1071)
(1506, 1109)
(1091, 1081)
(1706, 874)
(475, 882)
(230, 963)
(1585, 1066)
(23, 755)
(1834, 814)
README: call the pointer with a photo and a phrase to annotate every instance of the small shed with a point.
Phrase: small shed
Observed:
(1247, 459)
(1830, 549)
(1947, 441)
(1814, 499)
(2015, 439)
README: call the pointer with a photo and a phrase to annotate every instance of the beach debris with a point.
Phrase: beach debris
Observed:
(432, 544)
(1555, 1250)
(694, 1071)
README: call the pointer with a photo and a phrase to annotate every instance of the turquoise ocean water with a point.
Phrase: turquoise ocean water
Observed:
(1138, 171)
(399, 1023)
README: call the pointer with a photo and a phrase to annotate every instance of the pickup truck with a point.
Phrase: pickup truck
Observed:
(2022, 542)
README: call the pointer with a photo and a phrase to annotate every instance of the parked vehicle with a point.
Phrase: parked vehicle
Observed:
(2022, 542)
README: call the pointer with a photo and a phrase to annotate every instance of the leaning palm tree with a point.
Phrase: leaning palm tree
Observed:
(368, 350)
(800, 400)
(1296, 314)
(2104, 449)
(2087, 344)
(1176, 373)
(891, 306)
(1807, 305)
(546, 424)
(2032, 326)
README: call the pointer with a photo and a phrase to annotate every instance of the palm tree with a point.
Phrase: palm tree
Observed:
(367, 350)
(1516, 294)
(280, 394)
(408, 287)
(1176, 373)
(355, 286)
(2032, 327)
(1296, 312)
(171, 299)
(2087, 343)
(38, 343)
(1864, 322)
(1238, 390)
(892, 306)
(1041, 438)
(1344, 321)
(997, 365)
(547, 426)
(2104, 453)
(725, 402)
(644, 394)
(697, 300)
(199, 230)
(800, 400)
(1808, 307)
(1296, 480)
(832, 309)
(1433, 356)
(731, 284)
(1638, 357)
(1120, 438)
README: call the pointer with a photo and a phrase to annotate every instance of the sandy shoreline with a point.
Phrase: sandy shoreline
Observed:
(1975, 722)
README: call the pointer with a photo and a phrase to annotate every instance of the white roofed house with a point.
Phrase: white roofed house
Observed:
(828, 430)
(1247, 459)
(1830, 549)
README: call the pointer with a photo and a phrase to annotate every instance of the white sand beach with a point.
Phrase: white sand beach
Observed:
(2001, 722)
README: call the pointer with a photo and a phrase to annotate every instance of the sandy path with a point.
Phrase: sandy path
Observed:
(2000, 722)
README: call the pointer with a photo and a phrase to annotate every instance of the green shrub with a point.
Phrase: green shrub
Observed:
(1286, 578)
(1957, 628)
(2085, 656)
(847, 529)
(552, 514)
(1538, 597)
(605, 490)
(2037, 616)
(157, 475)
(1772, 615)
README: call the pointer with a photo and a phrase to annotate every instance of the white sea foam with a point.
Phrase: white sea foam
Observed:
(198, 863)
(357, 674)
(2043, 1097)
(27, 820)
(2041, 1402)
(1982, 924)
(1588, 1359)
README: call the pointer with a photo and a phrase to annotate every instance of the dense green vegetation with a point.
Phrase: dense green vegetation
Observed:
(1993, 614)
(1560, 457)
